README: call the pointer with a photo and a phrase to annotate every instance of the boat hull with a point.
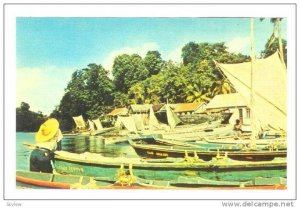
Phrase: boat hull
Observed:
(37, 180)
(29, 179)
(161, 151)
(222, 170)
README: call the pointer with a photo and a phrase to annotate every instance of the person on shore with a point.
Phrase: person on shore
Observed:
(238, 128)
(47, 140)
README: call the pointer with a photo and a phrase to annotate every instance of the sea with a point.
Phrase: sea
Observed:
(94, 144)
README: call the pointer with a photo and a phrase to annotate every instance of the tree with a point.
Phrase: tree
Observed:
(169, 85)
(24, 106)
(136, 94)
(201, 78)
(120, 99)
(150, 80)
(122, 64)
(197, 79)
(153, 62)
(207, 81)
(273, 47)
(89, 93)
(190, 53)
(27, 120)
(174, 82)
(222, 86)
(128, 70)
(99, 89)
(276, 43)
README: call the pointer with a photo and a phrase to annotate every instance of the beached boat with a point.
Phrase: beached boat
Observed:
(276, 143)
(155, 139)
(91, 164)
(225, 144)
(272, 183)
(93, 128)
(29, 179)
(38, 180)
(162, 151)
(158, 140)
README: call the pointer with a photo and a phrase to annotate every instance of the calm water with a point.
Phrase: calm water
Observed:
(93, 144)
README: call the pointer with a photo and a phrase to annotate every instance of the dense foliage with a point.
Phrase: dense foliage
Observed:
(136, 80)
(26, 120)
(89, 93)
(196, 79)
(127, 71)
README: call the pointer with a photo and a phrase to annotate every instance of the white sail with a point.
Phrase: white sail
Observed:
(139, 121)
(153, 122)
(91, 125)
(80, 123)
(269, 88)
(172, 118)
(127, 122)
(98, 124)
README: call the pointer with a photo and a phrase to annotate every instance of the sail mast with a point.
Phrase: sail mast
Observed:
(280, 41)
(253, 129)
(252, 57)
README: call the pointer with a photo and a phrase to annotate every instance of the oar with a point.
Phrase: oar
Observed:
(29, 145)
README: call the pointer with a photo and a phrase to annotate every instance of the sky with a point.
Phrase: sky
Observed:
(49, 50)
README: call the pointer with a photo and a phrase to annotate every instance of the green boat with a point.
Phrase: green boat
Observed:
(220, 168)
(37, 180)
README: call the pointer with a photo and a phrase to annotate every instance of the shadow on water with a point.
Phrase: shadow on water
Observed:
(96, 144)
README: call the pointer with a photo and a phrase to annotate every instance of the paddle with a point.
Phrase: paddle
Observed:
(30, 145)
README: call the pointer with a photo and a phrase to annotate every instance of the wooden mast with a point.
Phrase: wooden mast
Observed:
(253, 129)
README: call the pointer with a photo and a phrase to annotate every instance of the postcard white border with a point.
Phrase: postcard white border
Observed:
(192, 10)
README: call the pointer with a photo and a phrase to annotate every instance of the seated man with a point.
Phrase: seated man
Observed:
(48, 140)
(238, 127)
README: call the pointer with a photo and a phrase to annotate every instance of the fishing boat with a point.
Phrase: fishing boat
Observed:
(197, 183)
(93, 128)
(224, 144)
(154, 139)
(38, 180)
(91, 164)
(96, 127)
(162, 151)
(139, 124)
(29, 179)
(267, 143)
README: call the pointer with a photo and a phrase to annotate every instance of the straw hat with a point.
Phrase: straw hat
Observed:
(47, 130)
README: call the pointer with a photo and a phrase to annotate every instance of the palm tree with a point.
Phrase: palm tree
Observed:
(222, 86)
(276, 29)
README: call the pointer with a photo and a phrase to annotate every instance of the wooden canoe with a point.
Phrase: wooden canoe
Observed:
(38, 180)
(92, 164)
(28, 179)
(225, 144)
(162, 151)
